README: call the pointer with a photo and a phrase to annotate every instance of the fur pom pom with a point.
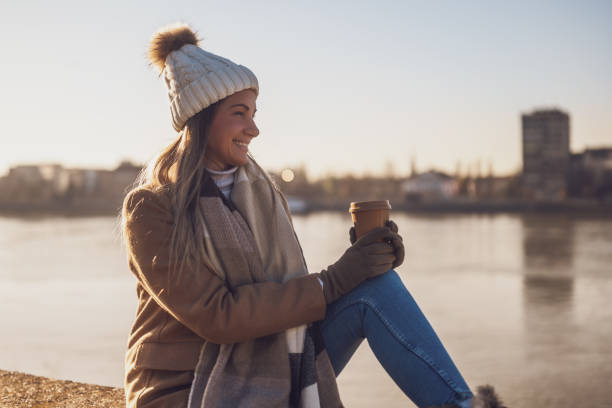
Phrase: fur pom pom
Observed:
(168, 39)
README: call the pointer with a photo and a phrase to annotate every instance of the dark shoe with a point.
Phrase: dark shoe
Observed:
(485, 397)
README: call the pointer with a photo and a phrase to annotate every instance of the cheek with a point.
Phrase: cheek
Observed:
(230, 132)
(219, 137)
(214, 142)
(222, 133)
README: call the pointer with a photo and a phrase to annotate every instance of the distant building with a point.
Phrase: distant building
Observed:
(53, 187)
(430, 186)
(591, 173)
(26, 173)
(491, 187)
(546, 154)
(598, 159)
(25, 183)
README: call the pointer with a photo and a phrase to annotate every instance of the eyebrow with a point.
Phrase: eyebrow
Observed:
(242, 105)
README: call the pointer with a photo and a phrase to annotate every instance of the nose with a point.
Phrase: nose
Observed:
(252, 130)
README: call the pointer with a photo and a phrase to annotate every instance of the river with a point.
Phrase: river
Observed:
(520, 301)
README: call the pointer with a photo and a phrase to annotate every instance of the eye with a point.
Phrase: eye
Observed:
(239, 113)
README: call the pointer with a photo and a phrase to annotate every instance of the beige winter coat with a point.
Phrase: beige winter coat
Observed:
(173, 322)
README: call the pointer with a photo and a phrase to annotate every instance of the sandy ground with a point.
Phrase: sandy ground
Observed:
(18, 390)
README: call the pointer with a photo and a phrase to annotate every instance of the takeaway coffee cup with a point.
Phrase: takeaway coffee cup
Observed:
(368, 215)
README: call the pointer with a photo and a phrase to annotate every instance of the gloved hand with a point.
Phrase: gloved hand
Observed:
(369, 256)
(398, 243)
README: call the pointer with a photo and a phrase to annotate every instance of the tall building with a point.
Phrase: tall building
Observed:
(546, 154)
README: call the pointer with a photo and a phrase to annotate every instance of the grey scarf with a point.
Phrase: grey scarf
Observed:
(248, 239)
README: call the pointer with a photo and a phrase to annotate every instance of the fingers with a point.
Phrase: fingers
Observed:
(394, 237)
(380, 269)
(392, 226)
(398, 248)
(377, 234)
(390, 251)
(378, 260)
(380, 254)
(399, 252)
(396, 241)
(352, 235)
(379, 248)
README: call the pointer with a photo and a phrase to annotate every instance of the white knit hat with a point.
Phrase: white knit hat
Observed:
(195, 78)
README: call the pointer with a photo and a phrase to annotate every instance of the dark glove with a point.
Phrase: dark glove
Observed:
(397, 243)
(369, 256)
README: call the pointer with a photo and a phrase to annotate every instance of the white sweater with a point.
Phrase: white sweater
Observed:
(224, 180)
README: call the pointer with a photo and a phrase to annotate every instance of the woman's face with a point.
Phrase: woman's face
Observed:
(231, 130)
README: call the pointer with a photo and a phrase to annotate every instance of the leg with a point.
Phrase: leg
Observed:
(383, 311)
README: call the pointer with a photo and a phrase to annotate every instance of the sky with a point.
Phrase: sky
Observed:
(345, 86)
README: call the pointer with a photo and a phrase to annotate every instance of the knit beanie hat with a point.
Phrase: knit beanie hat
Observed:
(194, 78)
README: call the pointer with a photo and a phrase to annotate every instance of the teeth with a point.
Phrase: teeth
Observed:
(240, 143)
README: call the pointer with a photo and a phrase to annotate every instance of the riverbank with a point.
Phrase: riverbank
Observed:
(455, 206)
(19, 390)
(462, 206)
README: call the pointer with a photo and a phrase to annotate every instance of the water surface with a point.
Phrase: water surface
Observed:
(521, 302)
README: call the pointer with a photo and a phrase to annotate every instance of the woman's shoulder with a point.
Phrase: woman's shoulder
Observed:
(146, 200)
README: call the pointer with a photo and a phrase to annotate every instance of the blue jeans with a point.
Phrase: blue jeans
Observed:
(382, 310)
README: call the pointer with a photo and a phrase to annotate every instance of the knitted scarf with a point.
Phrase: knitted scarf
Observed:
(248, 239)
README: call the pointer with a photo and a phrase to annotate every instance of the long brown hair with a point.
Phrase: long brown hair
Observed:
(179, 169)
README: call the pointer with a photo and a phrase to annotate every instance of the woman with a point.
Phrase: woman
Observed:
(228, 315)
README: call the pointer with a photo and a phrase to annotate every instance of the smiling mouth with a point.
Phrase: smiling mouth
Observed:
(241, 144)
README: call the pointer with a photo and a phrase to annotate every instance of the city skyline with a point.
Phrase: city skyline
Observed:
(475, 168)
(344, 87)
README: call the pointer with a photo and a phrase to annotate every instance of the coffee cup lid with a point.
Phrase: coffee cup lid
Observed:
(369, 205)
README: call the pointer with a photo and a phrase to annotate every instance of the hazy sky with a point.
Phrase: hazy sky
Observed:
(344, 85)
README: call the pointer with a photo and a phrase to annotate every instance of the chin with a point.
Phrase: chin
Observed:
(241, 161)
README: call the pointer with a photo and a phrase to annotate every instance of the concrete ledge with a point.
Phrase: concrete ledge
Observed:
(18, 390)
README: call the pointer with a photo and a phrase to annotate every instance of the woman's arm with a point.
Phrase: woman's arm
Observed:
(202, 302)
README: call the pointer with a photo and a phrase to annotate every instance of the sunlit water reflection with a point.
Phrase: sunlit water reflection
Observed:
(521, 302)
